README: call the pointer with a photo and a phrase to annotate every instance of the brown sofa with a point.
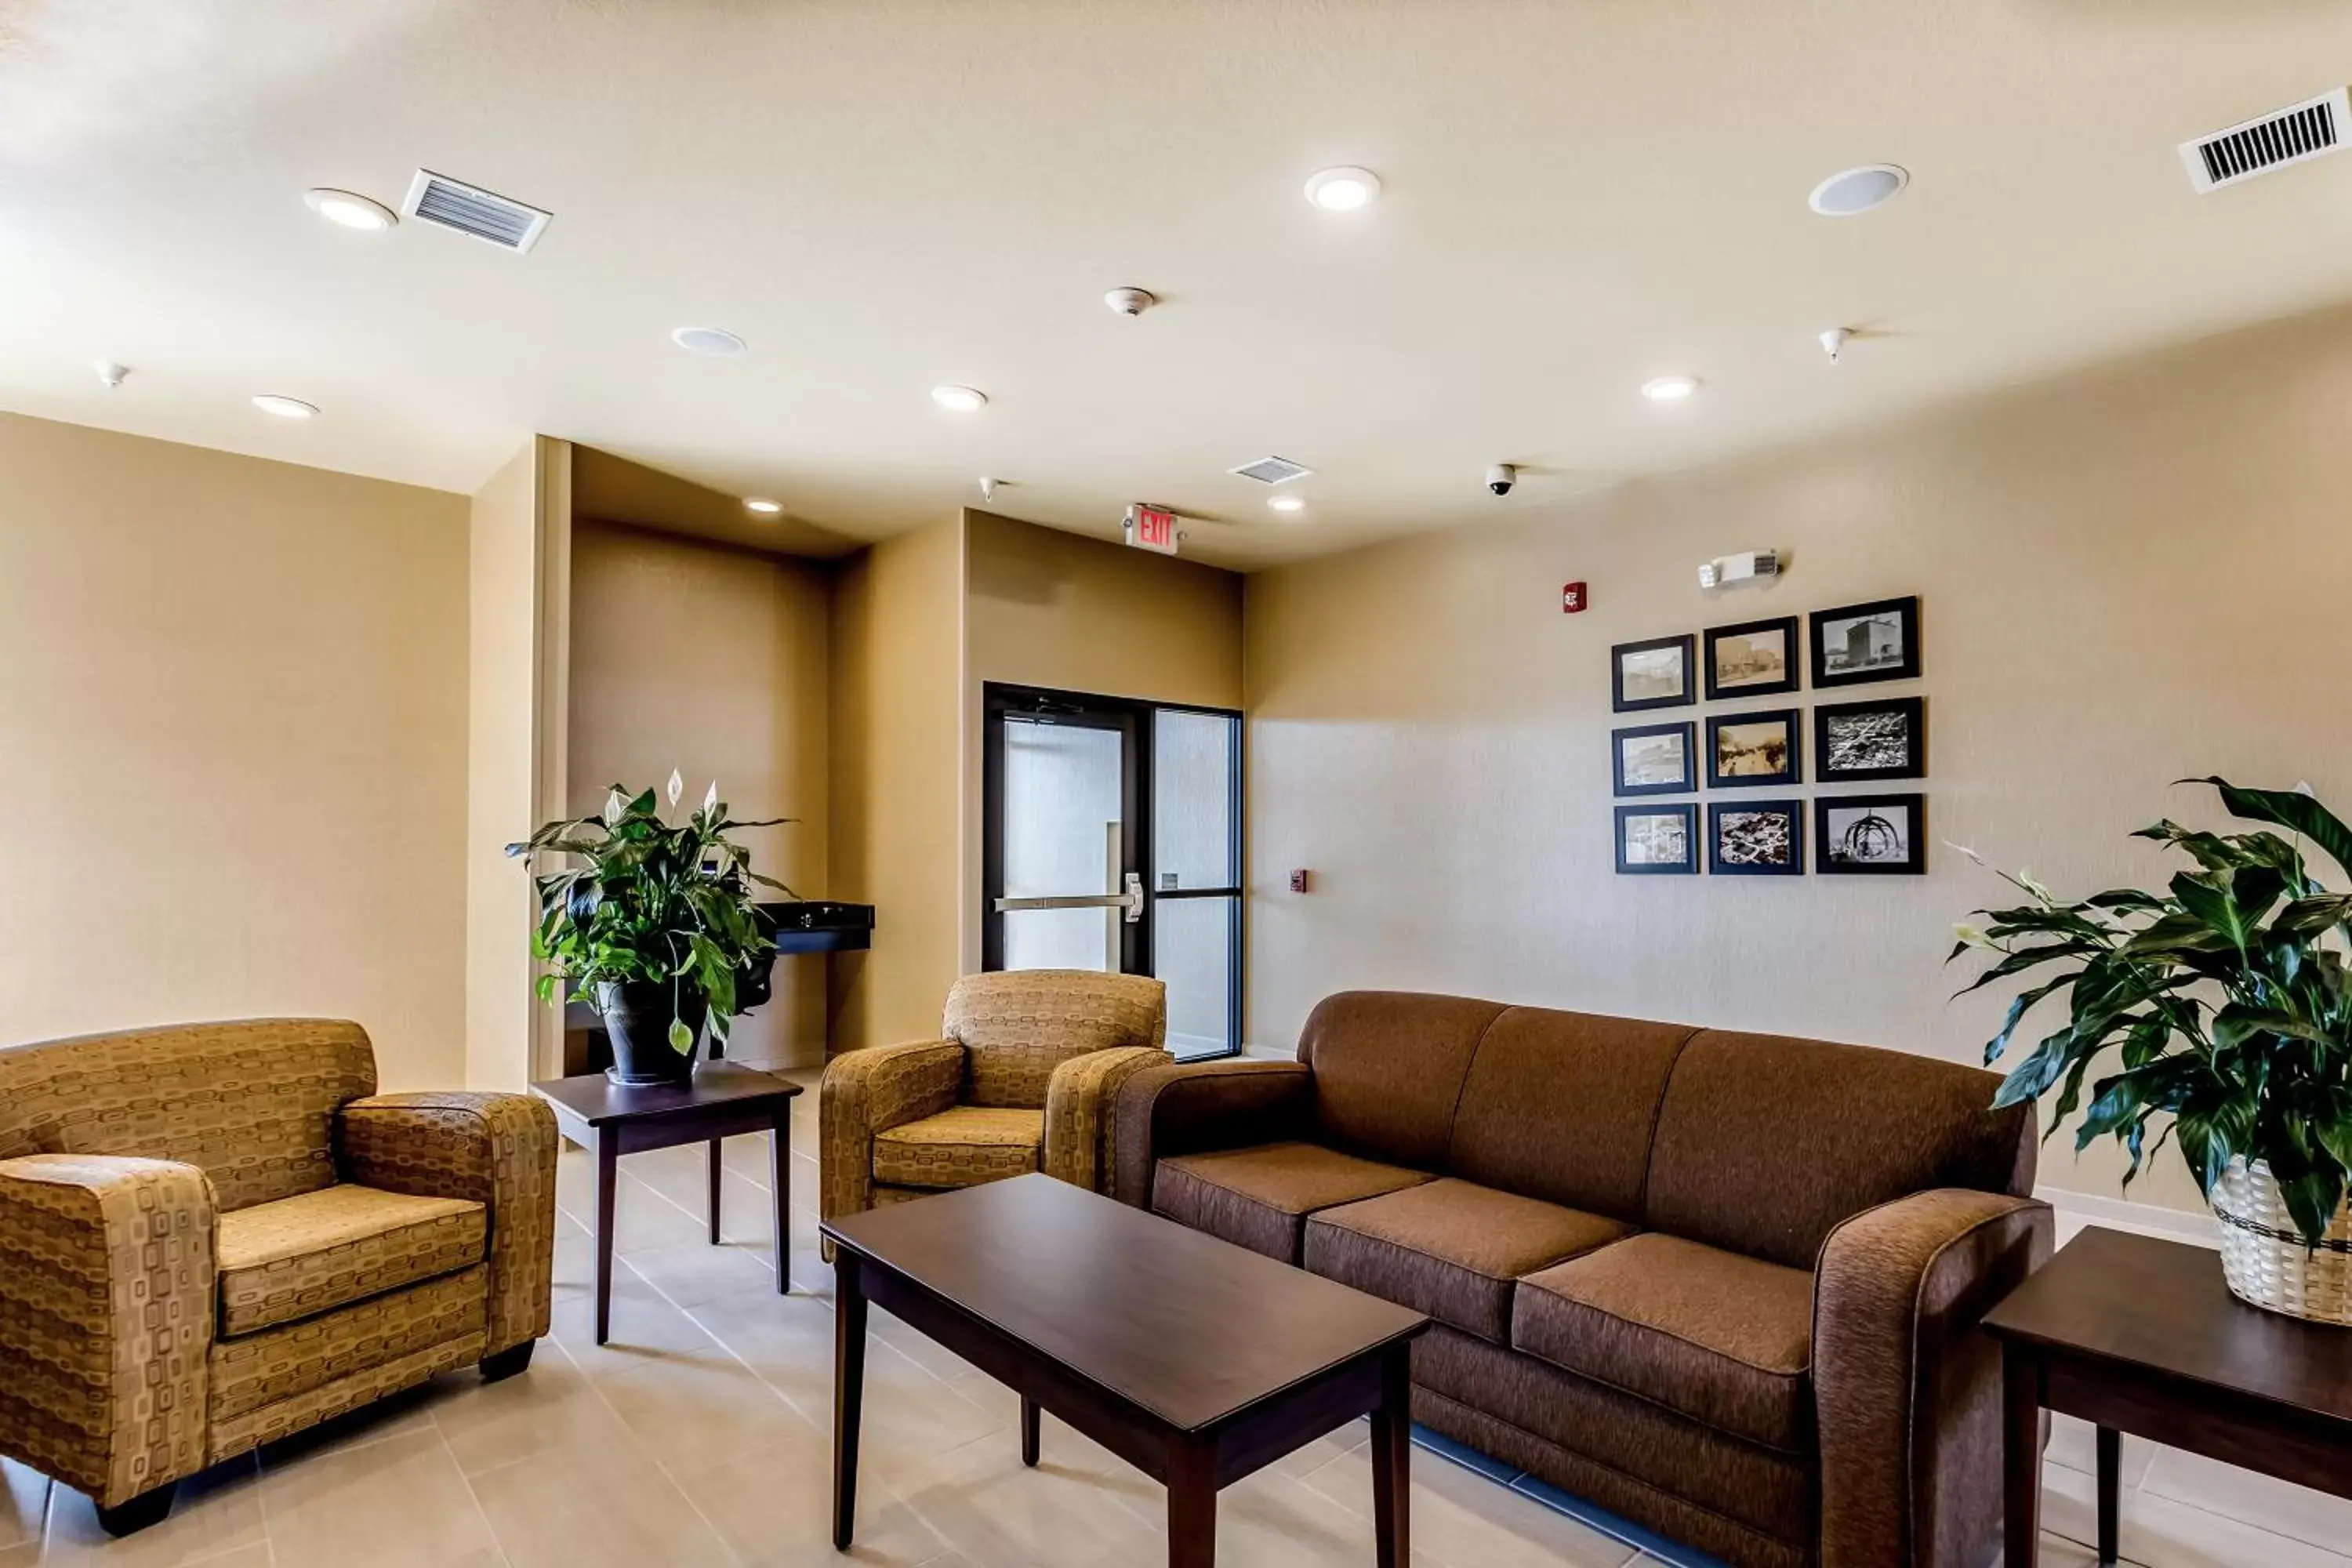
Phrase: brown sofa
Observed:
(1723, 1285)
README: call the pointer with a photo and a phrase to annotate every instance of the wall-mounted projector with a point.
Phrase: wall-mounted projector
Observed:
(1747, 566)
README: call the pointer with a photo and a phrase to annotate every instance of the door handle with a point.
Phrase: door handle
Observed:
(1132, 901)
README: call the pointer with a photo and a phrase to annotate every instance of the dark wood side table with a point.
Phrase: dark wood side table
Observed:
(2139, 1335)
(611, 1120)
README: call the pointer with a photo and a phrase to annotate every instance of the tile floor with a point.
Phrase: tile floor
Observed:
(700, 1435)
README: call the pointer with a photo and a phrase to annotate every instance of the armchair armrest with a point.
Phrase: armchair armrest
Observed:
(1186, 1109)
(1906, 1385)
(872, 1090)
(106, 1317)
(1082, 1112)
(498, 1150)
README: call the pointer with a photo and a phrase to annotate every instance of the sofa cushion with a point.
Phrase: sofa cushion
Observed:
(1389, 1067)
(960, 1147)
(292, 1359)
(1260, 1198)
(1722, 1338)
(308, 1254)
(1450, 1249)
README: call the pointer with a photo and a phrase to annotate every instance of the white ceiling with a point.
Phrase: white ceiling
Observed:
(889, 194)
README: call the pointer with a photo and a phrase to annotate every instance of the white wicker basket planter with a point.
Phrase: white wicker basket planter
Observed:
(2263, 1257)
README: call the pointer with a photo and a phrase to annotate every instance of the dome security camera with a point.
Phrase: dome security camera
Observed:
(1501, 477)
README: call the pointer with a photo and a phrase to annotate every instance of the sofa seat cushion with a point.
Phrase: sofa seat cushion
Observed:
(1724, 1339)
(298, 1256)
(1451, 1249)
(1260, 1198)
(960, 1147)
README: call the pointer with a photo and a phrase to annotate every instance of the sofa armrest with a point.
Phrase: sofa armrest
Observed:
(1906, 1385)
(868, 1091)
(107, 1281)
(1185, 1110)
(497, 1149)
(1082, 1112)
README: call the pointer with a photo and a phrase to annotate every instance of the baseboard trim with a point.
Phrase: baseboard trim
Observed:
(2122, 1214)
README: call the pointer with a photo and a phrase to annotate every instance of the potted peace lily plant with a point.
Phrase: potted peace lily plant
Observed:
(2226, 1004)
(654, 924)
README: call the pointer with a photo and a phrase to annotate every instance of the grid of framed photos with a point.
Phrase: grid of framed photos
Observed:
(1763, 747)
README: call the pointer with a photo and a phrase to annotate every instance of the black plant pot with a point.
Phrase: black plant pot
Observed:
(638, 1017)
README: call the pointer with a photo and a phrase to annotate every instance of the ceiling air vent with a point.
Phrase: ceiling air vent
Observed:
(1272, 470)
(471, 210)
(2307, 130)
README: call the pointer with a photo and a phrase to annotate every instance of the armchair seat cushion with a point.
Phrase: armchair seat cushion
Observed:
(1451, 1249)
(1724, 1339)
(960, 1147)
(1260, 1198)
(298, 1257)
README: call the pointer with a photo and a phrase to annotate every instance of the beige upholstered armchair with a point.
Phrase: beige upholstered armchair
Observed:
(1024, 1078)
(215, 1235)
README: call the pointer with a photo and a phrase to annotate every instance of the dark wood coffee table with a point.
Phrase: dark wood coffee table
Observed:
(1195, 1360)
(2139, 1335)
(611, 1120)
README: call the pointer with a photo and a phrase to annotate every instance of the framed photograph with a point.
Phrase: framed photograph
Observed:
(1657, 841)
(1653, 674)
(1871, 835)
(1657, 759)
(1866, 642)
(1756, 838)
(1857, 740)
(1752, 659)
(1746, 750)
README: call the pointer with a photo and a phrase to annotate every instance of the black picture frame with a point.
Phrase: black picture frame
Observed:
(1792, 655)
(1719, 811)
(1686, 867)
(1827, 716)
(1842, 670)
(1791, 722)
(1686, 785)
(1835, 820)
(1686, 643)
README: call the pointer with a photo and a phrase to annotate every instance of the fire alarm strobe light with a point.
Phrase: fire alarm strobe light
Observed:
(1573, 598)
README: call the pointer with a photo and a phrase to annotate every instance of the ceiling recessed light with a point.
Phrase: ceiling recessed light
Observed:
(717, 342)
(1287, 503)
(284, 407)
(350, 210)
(1853, 191)
(960, 399)
(1669, 388)
(762, 505)
(1343, 189)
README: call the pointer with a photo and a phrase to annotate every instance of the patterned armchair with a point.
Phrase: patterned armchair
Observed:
(214, 1235)
(1024, 1078)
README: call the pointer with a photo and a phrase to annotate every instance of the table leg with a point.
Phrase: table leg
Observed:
(780, 1187)
(2110, 1445)
(1191, 1503)
(1029, 1435)
(2020, 1447)
(608, 1192)
(1393, 1462)
(711, 1159)
(848, 1392)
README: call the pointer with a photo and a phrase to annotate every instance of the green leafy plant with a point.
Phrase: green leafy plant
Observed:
(2223, 1000)
(648, 902)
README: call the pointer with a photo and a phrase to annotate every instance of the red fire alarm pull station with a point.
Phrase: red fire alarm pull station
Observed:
(1572, 598)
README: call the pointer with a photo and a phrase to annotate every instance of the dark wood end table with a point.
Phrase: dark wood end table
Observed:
(1195, 1360)
(2139, 1335)
(611, 1120)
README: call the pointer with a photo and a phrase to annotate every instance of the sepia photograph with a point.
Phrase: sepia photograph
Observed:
(1858, 740)
(1752, 659)
(1744, 750)
(1653, 674)
(1657, 759)
(1658, 839)
(1865, 834)
(1756, 838)
(1861, 642)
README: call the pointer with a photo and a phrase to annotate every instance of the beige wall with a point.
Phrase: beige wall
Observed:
(711, 659)
(2127, 578)
(232, 744)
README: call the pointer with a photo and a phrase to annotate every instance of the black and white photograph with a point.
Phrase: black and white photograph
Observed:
(1653, 674)
(1860, 834)
(1859, 741)
(1748, 750)
(1861, 643)
(1756, 838)
(1752, 659)
(1655, 840)
(1657, 759)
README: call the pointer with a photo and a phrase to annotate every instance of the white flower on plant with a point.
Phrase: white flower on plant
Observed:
(2042, 894)
(677, 785)
(616, 805)
(1969, 934)
(1964, 849)
(710, 797)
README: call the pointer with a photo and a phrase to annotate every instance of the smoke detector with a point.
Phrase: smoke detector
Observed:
(474, 212)
(1130, 301)
(1272, 470)
(2296, 134)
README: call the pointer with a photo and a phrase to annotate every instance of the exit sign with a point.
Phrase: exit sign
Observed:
(1151, 528)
